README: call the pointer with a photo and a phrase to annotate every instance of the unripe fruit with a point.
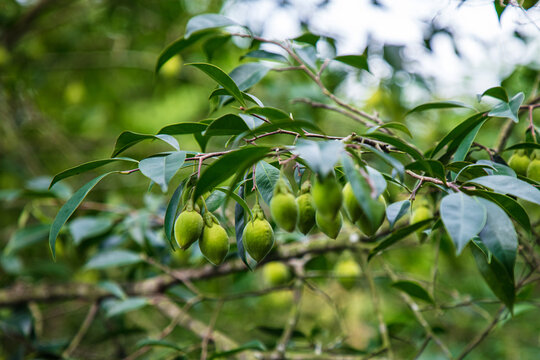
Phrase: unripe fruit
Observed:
(378, 211)
(327, 196)
(283, 207)
(351, 204)
(347, 271)
(533, 170)
(188, 227)
(258, 235)
(276, 273)
(519, 162)
(419, 214)
(330, 225)
(306, 209)
(214, 243)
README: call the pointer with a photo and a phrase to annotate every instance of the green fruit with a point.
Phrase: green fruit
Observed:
(327, 196)
(330, 225)
(378, 211)
(214, 242)
(276, 273)
(347, 272)
(306, 209)
(258, 235)
(419, 214)
(533, 170)
(351, 204)
(188, 227)
(519, 162)
(283, 207)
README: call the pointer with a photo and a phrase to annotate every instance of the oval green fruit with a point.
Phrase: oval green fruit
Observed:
(306, 213)
(519, 163)
(351, 204)
(330, 225)
(188, 228)
(419, 214)
(214, 242)
(258, 237)
(327, 196)
(347, 272)
(533, 170)
(378, 211)
(284, 211)
(276, 273)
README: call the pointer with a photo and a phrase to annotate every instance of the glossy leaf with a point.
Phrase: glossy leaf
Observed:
(359, 185)
(112, 258)
(510, 109)
(399, 144)
(183, 128)
(172, 209)
(247, 75)
(222, 79)
(463, 217)
(509, 205)
(396, 164)
(269, 112)
(177, 46)
(128, 138)
(266, 177)
(397, 236)
(320, 156)
(357, 61)
(377, 179)
(395, 211)
(69, 208)
(509, 185)
(439, 105)
(391, 125)
(265, 55)
(228, 124)
(524, 145)
(91, 165)
(432, 168)
(459, 132)
(161, 169)
(239, 225)
(497, 92)
(413, 289)
(205, 22)
(465, 144)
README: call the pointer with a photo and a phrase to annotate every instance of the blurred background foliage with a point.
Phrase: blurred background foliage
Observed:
(74, 74)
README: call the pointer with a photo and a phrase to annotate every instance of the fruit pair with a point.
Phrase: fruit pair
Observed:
(357, 214)
(328, 199)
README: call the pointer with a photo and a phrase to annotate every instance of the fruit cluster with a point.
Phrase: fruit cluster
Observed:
(525, 166)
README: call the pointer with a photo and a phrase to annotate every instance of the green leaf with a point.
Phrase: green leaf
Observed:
(463, 217)
(357, 61)
(390, 125)
(155, 342)
(511, 206)
(69, 208)
(25, 237)
(247, 75)
(413, 289)
(439, 105)
(228, 165)
(177, 46)
(161, 169)
(86, 227)
(265, 55)
(378, 181)
(239, 224)
(205, 22)
(320, 156)
(388, 159)
(228, 124)
(266, 177)
(399, 144)
(216, 199)
(172, 209)
(433, 168)
(251, 345)
(497, 92)
(360, 187)
(499, 236)
(79, 169)
(495, 276)
(118, 307)
(525, 145)
(465, 144)
(510, 109)
(269, 112)
(509, 185)
(395, 211)
(112, 258)
(214, 44)
(459, 132)
(236, 198)
(128, 138)
(113, 288)
(183, 128)
(495, 168)
(222, 79)
(397, 236)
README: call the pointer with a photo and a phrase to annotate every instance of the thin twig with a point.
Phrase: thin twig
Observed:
(90, 316)
(208, 336)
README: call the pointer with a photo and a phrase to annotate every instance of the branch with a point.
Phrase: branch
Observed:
(82, 330)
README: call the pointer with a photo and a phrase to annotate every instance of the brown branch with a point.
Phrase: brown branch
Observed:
(316, 104)
(90, 316)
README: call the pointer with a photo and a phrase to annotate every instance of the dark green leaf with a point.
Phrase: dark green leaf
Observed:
(79, 169)
(357, 61)
(266, 55)
(388, 159)
(432, 168)
(229, 164)
(213, 44)
(128, 138)
(239, 224)
(509, 185)
(459, 132)
(495, 168)
(510, 109)
(320, 156)
(497, 92)
(112, 258)
(399, 144)
(511, 206)
(463, 217)
(177, 46)
(465, 144)
(183, 128)
(439, 105)
(247, 75)
(236, 198)
(360, 186)
(228, 124)
(413, 289)
(269, 112)
(397, 236)
(525, 145)
(222, 79)
(69, 208)
(395, 211)
(266, 177)
(391, 125)
(207, 21)
(170, 213)
(161, 169)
